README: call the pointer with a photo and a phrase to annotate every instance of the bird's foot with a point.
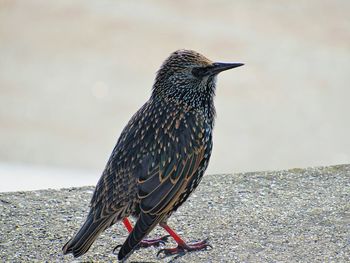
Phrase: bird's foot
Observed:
(148, 243)
(154, 242)
(183, 248)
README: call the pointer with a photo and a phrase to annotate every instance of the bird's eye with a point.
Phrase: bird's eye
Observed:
(199, 72)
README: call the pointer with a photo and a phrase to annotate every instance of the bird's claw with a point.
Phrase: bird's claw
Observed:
(154, 242)
(148, 243)
(182, 249)
(114, 249)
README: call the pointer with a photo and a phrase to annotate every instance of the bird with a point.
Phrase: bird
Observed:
(159, 158)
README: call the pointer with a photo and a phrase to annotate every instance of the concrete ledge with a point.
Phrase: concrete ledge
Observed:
(299, 215)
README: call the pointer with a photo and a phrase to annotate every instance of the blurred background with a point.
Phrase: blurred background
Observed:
(73, 72)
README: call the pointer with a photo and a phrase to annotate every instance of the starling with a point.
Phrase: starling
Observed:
(159, 159)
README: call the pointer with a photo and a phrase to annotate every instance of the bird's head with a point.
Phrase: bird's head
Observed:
(188, 76)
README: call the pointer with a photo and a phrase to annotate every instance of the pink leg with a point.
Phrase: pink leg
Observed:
(127, 224)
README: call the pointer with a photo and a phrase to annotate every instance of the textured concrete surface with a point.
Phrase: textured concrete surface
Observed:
(299, 215)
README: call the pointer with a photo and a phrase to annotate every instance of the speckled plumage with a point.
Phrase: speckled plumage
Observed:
(161, 154)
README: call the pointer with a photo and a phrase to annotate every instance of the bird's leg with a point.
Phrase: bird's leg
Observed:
(146, 242)
(127, 224)
(182, 246)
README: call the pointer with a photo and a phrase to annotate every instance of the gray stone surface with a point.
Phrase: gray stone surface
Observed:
(299, 215)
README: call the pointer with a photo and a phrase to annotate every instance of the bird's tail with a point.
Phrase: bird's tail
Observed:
(143, 226)
(87, 234)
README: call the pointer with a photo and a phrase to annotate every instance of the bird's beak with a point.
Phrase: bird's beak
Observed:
(213, 69)
(217, 67)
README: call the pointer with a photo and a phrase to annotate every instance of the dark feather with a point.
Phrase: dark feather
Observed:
(144, 225)
(87, 234)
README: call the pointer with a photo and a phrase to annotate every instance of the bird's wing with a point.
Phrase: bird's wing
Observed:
(115, 191)
(113, 195)
(165, 176)
(163, 186)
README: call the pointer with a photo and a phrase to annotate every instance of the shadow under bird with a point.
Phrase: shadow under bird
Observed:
(159, 159)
